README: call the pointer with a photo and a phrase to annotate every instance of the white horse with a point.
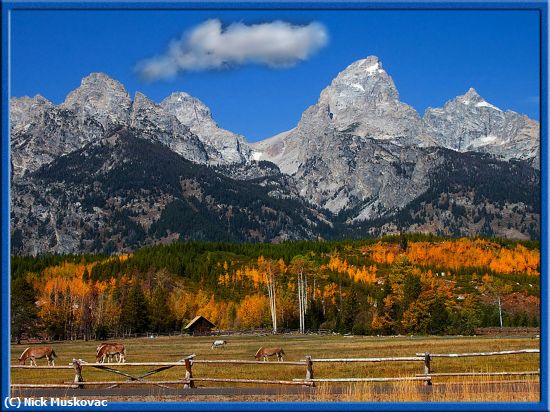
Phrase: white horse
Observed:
(219, 344)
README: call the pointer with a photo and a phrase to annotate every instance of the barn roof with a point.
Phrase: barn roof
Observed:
(196, 319)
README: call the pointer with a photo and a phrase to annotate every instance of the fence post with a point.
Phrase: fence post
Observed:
(427, 366)
(309, 371)
(78, 373)
(189, 374)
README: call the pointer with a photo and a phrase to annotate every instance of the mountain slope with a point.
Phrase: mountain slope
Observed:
(469, 194)
(123, 191)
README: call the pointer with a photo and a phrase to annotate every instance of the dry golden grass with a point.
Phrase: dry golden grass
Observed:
(460, 391)
(165, 349)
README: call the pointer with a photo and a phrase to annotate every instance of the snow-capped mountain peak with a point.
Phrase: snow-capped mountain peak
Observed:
(472, 98)
(470, 123)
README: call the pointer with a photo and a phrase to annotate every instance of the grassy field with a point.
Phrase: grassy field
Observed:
(163, 349)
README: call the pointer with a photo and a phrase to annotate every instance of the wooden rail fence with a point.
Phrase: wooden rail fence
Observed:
(429, 356)
(188, 380)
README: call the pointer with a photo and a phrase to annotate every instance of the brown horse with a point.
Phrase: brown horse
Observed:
(107, 350)
(109, 356)
(38, 352)
(265, 352)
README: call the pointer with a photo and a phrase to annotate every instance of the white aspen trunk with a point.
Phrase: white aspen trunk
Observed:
(270, 294)
(304, 302)
(303, 298)
(299, 304)
(274, 314)
(270, 280)
(301, 301)
(305, 294)
(274, 301)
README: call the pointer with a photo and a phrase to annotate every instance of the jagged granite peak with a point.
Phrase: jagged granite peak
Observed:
(188, 109)
(357, 148)
(25, 109)
(40, 132)
(470, 123)
(472, 97)
(471, 94)
(231, 147)
(155, 123)
(363, 101)
(102, 98)
(140, 103)
(366, 72)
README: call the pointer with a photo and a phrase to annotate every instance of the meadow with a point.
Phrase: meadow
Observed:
(169, 349)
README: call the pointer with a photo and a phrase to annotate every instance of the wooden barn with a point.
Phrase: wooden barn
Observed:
(199, 326)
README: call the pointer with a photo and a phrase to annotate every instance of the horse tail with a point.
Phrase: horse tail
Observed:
(258, 353)
(282, 352)
(54, 354)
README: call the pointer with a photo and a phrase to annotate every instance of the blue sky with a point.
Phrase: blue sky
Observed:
(432, 57)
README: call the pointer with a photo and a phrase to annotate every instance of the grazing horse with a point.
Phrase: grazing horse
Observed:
(265, 352)
(38, 352)
(219, 344)
(108, 356)
(107, 350)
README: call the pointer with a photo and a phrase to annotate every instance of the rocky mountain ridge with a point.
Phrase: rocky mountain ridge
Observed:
(349, 150)
(41, 131)
(190, 111)
(362, 100)
(359, 163)
(470, 123)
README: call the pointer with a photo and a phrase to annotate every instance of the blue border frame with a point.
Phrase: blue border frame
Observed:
(541, 6)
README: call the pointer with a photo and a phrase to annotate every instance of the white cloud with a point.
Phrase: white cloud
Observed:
(209, 46)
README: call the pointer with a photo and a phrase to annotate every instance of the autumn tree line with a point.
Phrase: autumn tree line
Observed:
(409, 284)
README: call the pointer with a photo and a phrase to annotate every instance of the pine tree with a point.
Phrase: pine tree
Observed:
(412, 286)
(161, 319)
(135, 312)
(349, 311)
(23, 308)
